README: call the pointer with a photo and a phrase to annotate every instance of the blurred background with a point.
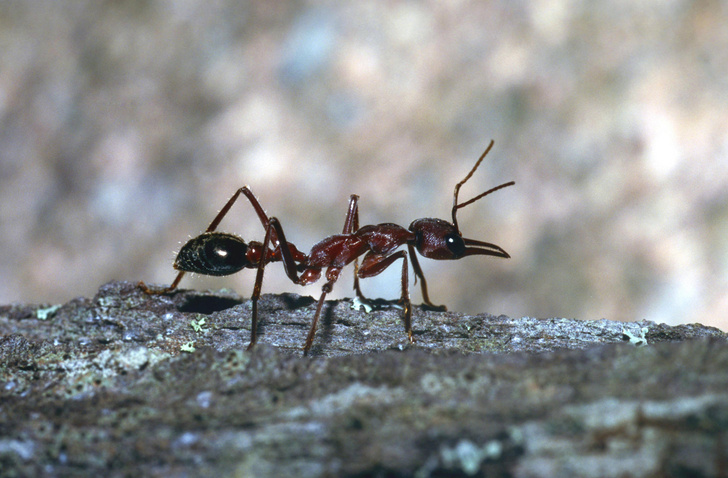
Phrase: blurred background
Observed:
(125, 126)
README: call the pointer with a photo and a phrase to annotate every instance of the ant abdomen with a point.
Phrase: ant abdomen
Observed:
(213, 254)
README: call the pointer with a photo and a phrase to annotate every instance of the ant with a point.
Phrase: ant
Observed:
(219, 253)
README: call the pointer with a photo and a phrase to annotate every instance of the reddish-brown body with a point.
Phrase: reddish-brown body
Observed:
(334, 253)
(217, 253)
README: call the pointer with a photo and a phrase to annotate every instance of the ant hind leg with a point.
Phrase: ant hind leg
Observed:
(213, 225)
(164, 290)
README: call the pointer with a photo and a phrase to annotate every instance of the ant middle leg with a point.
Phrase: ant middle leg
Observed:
(374, 264)
(332, 274)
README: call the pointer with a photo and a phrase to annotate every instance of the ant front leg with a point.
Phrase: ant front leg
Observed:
(374, 264)
(423, 283)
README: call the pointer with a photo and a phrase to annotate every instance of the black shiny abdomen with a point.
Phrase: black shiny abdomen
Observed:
(213, 254)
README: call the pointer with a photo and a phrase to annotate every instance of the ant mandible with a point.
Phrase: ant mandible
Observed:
(219, 253)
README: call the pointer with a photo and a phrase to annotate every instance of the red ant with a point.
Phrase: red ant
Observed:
(219, 254)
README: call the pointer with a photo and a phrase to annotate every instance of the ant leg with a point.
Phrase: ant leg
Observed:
(213, 225)
(245, 190)
(405, 300)
(259, 283)
(256, 205)
(423, 283)
(149, 291)
(289, 255)
(277, 233)
(374, 264)
(331, 274)
(351, 225)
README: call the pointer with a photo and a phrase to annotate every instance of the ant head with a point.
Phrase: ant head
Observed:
(439, 239)
(213, 254)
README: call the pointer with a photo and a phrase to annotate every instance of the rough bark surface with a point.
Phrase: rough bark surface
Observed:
(126, 384)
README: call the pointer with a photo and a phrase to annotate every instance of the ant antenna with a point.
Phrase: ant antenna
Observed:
(456, 206)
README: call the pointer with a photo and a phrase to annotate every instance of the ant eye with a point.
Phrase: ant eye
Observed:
(455, 244)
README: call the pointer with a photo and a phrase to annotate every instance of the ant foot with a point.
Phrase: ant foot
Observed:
(143, 286)
(405, 305)
(434, 308)
(150, 291)
(411, 337)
